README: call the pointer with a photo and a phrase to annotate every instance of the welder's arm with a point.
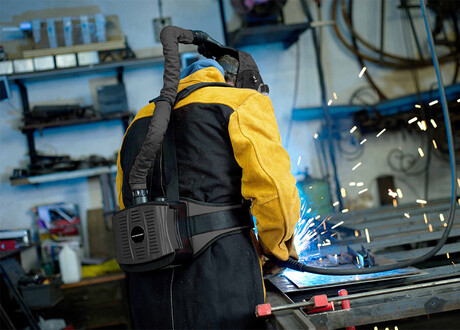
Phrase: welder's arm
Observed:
(267, 178)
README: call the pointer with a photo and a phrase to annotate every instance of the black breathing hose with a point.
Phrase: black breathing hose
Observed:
(296, 265)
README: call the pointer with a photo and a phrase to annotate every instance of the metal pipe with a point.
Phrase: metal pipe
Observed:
(367, 294)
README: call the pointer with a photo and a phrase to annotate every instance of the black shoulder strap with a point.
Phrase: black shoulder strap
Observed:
(169, 144)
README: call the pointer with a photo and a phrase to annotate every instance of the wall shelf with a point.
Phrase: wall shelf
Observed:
(83, 70)
(65, 175)
(125, 116)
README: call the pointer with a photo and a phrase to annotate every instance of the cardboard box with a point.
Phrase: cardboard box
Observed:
(66, 61)
(43, 63)
(24, 65)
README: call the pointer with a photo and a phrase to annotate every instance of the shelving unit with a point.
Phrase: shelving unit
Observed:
(20, 79)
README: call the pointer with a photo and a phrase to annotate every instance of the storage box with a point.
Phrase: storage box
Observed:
(66, 61)
(43, 295)
(25, 65)
(43, 63)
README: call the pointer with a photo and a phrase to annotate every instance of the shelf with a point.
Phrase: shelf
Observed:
(81, 70)
(66, 175)
(77, 121)
(288, 34)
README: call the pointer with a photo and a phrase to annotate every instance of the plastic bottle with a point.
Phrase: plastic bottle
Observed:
(69, 264)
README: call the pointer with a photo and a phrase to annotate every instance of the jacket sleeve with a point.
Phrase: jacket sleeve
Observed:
(267, 180)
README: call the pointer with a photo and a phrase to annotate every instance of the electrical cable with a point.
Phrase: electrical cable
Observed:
(322, 82)
(294, 264)
(383, 58)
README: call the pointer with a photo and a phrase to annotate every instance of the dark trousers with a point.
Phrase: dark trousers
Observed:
(219, 289)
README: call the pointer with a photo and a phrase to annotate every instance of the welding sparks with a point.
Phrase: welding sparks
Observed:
(392, 193)
(335, 96)
(362, 72)
(315, 136)
(407, 215)
(335, 204)
(418, 106)
(329, 103)
(422, 125)
(421, 201)
(424, 217)
(445, 224)
(433, 123)
(356, 166)
(420, 151)
(448, 256)
(399, 192)
(352, 184)
(441, 216)
(458, 100)
(298, 161)
(362, 191)
(336, 225)
(454, 264)
(343, 192)
(363, 141)
(368, 239)
(430, 227)
(356, 233)
(395, 203)
(309, 210)
(435, 145)
(353, 129)
(381, 132)
(396, 327)
(317, 217)
(458, 181)
(433, 102)
(344, 210)
(412, 120)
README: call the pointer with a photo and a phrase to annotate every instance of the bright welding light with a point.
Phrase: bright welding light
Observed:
(421, 201)
(362, 72)
(400, 194)
(433, 123)
(353, 129)
(356, 166)
(381, 132)
(434, 144)
(362, 191)
(329, 103)
(336, 225)
(458, 100)
(315, 136)
(412, 120)
(392, 193)
(418, 106)
(407, 215)
(420, 151)
(352, 184)
(433, 102)
(363, 141)
(335, 96)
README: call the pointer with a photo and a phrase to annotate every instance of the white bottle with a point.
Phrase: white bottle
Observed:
(69, 264)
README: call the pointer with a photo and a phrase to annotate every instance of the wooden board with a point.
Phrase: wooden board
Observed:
(101, 240)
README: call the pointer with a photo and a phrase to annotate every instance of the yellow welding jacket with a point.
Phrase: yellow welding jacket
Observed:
(228, 146)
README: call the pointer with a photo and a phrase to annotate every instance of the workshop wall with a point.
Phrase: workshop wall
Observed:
(278, 67)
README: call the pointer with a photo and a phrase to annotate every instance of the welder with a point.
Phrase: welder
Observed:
(228, 150)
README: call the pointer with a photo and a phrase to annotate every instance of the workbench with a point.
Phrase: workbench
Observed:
(430, 299)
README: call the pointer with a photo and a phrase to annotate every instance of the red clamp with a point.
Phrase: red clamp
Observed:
(345, 304)
(320, 304)
(263, 310)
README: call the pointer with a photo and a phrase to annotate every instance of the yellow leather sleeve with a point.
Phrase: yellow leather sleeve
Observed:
(267, 180)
